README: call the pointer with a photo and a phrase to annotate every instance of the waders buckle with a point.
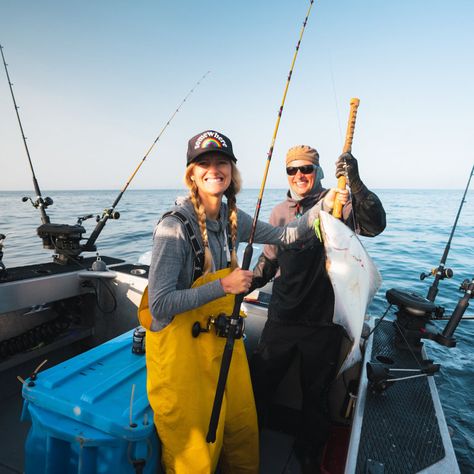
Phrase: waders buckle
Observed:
(222, 324)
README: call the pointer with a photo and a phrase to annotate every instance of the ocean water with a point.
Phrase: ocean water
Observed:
(419, 223)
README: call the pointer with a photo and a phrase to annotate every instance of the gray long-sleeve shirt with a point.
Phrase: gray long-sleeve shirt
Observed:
(172, 260)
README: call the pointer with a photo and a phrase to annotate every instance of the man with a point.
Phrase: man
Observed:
(301, 308)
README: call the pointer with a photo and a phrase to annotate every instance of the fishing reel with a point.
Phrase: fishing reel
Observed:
(443, 273)
(110, 214)
(222, 325)
(464, 286)
(40, 202)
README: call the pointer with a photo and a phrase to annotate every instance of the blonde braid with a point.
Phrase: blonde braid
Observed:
(231, 203)
(201, 215)
(230, 193)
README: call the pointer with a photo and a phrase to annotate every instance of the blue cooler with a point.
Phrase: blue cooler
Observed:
(80, 415)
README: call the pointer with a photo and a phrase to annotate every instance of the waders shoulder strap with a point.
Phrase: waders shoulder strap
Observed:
(144, 314)
(197, 249)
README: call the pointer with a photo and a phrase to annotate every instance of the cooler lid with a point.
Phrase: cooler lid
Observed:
(95, 388)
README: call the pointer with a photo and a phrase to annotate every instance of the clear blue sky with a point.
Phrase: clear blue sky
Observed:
(97, 80)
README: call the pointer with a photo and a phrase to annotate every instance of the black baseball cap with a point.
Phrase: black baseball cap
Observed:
(207, 141)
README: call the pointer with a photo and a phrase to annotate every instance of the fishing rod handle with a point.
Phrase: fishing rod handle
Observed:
(227, 355)
(222, 380)
(354, 105)
(341, 181)
(459, 311)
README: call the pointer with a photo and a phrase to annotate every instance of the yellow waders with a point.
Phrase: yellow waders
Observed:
(182, 373)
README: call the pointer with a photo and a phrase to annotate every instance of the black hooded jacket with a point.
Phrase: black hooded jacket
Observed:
(302, 292)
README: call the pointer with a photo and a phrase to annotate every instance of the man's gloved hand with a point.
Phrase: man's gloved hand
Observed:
(347, 163)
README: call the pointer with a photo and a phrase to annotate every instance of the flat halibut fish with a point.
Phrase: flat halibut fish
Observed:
(354, 277)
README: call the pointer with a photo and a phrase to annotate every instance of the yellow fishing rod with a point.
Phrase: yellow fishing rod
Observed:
(229, 346)
(109, 212)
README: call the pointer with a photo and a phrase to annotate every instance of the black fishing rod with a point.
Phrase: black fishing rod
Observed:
(40, 203)
(234, 326)
(2, 265)
(65, 239)
(441, 272)
(110, 213)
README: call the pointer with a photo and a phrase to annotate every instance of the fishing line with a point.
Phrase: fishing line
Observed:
(227, 355)
(378, 322)
(335, 97)
(108, 213)
(408, 344)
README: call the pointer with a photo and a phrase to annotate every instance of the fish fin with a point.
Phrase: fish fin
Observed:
(317, 229)
(354, 356)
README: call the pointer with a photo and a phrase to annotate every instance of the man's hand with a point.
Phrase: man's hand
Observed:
(347, 163)
(341, 195)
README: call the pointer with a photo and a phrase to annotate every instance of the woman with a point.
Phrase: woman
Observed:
(193, 279)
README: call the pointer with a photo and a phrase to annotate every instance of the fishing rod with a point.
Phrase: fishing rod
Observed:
(342, 181)
(40, 203)
(416, 312)
(441, 272)
(65, 239)
(2, 265)
(109, 213)
(234, 319)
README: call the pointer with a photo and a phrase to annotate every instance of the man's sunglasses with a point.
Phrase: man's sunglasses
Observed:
(305, 169)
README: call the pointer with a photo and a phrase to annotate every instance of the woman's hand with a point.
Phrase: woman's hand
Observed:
(237, 282)
(342, 195)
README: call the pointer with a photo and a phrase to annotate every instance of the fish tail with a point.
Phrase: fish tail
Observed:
(352, 358)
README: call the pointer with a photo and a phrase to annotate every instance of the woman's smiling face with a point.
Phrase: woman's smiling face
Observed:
(212, 173)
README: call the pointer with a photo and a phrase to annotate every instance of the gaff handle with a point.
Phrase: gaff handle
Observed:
(341, 181)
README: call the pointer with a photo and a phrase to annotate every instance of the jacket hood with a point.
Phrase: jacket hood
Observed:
(307, 201)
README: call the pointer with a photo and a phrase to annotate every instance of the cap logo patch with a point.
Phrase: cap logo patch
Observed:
(210, 140)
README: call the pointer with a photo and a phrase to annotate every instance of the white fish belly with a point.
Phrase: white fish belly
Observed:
(354, 277)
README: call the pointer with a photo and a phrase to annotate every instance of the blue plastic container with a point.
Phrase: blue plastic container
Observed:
(80, 414)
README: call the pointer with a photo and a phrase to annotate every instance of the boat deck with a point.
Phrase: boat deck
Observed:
(399, 431)
(402, 428)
